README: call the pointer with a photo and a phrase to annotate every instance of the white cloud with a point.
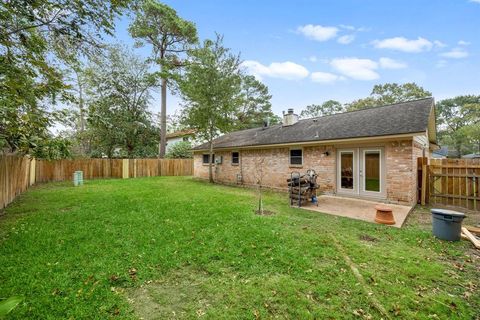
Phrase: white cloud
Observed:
(312, 59)
(404, 44)
(355, 68)
(476, 1)
(284, 70)
(318, 32)
(387, 63)
(464, 43)
(455, 53)
(346, 39)
(346, 26)
(352, 28)
(325, 77)
(439, 44)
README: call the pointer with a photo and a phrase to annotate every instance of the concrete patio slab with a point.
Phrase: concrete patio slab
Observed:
(357, 208)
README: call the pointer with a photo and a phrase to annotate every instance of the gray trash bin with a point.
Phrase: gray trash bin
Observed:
(447, 224)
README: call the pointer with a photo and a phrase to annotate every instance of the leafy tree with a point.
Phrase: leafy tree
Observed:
(119, 86)
(211, 87)
(33, 38)
(180, 150)
(458, 119)
(319, 110)
(256, 106)
(75, 117)
(169, 35)
(53, 148)
(472, 134)
(389, 93)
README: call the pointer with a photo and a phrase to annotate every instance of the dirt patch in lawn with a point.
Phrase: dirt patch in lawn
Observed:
(181, 294)
(264, 213)
(422, 217)
(366, 237)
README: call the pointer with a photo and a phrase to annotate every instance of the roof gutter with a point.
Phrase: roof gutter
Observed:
(321, 142)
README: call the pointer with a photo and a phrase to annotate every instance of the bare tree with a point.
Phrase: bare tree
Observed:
(259, 173)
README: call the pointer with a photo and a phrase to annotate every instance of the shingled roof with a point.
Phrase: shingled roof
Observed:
(393, 119)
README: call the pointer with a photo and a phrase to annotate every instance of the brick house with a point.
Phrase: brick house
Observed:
(370, 153)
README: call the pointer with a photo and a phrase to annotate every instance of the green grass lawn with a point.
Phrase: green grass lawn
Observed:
(372, 184)
(173, 247)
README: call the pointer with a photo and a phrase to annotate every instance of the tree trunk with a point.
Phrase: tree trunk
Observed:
(458, 148)
(260, 200)
(130, 148)
(83, 144)
(210, 164)
(163, 121)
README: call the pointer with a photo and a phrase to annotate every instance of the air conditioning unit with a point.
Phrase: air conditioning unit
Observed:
(218, 160)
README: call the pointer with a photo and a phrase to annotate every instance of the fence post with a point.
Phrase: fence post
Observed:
(134, 168)
(125, 168)
(424, 181)
(33, 167)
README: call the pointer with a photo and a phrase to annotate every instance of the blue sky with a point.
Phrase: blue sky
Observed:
(312, 51)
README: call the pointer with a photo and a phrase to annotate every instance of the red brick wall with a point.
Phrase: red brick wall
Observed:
(275, 164)
(400, 157)
(401, 175)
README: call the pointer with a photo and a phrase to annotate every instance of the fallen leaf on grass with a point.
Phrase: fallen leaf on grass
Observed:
(133, 273)
(358, 312)
(395, 309)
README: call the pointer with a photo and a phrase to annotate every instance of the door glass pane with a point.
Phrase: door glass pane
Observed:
(346, 170)
(372, 171)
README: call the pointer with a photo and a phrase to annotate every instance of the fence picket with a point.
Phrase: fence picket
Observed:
(453, 182)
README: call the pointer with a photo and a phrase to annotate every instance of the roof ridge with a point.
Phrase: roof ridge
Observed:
(254, 128)
(368, 108)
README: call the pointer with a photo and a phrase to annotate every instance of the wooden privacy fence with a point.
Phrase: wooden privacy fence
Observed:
(61, 170)
(15, 177)
(18, 173)
(450, 182)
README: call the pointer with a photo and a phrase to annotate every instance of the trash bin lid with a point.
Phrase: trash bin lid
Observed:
(446, 212)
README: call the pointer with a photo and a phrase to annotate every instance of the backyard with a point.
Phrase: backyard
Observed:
(176, 247)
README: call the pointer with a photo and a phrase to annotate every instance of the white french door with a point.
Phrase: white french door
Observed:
(347, 171)
(361, 171)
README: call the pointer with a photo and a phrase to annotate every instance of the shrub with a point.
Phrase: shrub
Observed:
(180, 150)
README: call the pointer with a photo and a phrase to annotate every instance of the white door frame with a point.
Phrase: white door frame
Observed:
(354, 152)
(358, 173)
(361, 174)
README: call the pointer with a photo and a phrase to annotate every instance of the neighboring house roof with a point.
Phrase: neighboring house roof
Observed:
(471, 156)
(400, 118)
(182, 133)
(443, 151)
